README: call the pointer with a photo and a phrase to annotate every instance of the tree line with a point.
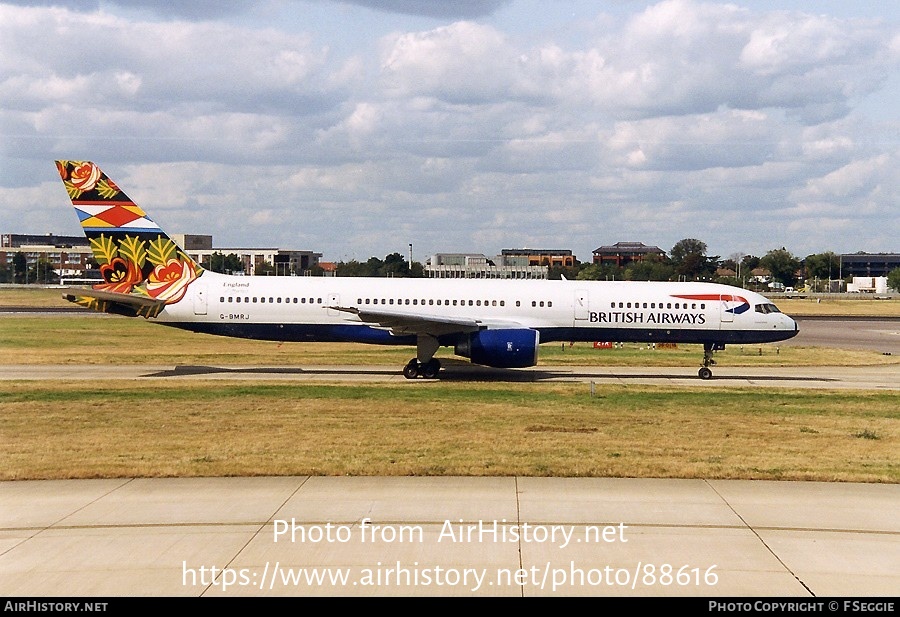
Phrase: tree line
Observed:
(686, 261)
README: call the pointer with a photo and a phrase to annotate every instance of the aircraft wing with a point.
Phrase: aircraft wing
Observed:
(420, 323)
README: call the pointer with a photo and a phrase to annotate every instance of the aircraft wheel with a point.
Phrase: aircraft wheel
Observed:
(430, 369)
(411, 370)
(704, 373)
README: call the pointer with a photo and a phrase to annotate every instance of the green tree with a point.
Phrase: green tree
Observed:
(597, 272)
(819, 268)
(351, 268)
(893, 278)
(782, 264)
(556, 273)
(822, 265)
(394, 265)
(264, 269)
(373, 267)
(653, 268)
(417, 270)
(20, 268)
(42, 272)
(219, 262)
(690, 261)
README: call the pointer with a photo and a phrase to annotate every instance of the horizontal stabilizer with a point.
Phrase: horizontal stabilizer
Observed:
(112, 302)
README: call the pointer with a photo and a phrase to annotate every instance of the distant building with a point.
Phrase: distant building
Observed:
(869, 264)
(19, 240)
(329, 268)
(69, 256)
(621, 254)
(760, 275)
(554, 258)
(477, 266)
(285, 262)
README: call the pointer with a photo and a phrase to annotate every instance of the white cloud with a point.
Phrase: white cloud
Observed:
(653, 124)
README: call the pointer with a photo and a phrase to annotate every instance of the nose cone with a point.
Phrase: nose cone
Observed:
(793, 322)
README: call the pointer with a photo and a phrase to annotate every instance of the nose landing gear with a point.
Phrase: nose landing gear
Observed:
(705, 372)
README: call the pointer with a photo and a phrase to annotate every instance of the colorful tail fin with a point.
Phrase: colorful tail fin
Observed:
(142, 268)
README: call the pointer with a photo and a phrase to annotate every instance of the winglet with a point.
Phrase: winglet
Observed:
(142, 268)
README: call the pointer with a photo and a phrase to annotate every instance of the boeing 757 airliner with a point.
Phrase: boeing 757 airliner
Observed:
(497, 323)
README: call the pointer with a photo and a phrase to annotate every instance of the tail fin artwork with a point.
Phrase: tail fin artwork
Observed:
(143, 270)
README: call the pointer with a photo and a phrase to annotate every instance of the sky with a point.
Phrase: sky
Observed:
(355, 128)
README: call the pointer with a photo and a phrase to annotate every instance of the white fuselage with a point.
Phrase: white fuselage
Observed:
(316, 309)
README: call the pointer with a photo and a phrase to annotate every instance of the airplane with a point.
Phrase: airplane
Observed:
(494, 323)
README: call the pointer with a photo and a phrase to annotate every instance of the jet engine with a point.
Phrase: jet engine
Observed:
(508, 348)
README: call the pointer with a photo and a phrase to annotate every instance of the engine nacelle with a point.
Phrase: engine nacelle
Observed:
(513, 348)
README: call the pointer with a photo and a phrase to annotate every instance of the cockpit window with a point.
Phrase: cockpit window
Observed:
(766, 309)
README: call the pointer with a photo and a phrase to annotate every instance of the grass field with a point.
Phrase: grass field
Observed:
(156, 427)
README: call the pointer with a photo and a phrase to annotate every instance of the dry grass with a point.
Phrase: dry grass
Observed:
(155, 428)
(863, 306)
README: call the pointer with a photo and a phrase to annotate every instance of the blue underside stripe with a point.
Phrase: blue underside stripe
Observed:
(340, 333)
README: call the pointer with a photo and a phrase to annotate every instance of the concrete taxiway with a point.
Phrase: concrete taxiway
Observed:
(448, 536)
(881, 377)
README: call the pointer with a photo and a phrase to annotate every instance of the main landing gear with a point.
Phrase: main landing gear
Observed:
(427, 370)
(705, 372)
(424, 364)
